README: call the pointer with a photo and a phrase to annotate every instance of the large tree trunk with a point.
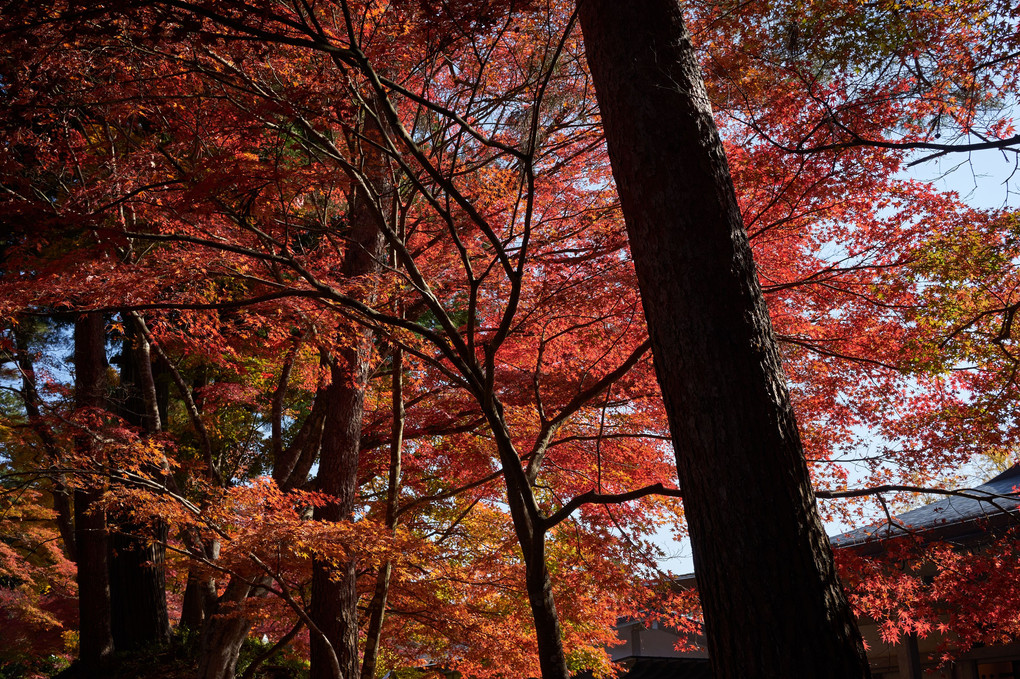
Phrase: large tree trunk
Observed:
(138, 586)
(334, 591)
(199, 599)
(95, 636)
(772, 602)
(138, 551)
(224, 633)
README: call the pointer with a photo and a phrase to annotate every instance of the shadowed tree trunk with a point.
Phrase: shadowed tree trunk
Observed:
(91, 539)
(772, 602)
(138, 586)
(199, 597)
(224, 633)
(334, 591)
(137, 551)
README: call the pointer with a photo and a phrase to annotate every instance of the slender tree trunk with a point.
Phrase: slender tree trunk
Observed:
(223, 634)
(551, 658)
(291, 467)
(95, 636)
(377, 607)
(530, 532)
(334, 589)
(773, 604)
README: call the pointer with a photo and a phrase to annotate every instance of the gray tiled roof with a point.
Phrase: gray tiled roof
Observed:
(952, 517)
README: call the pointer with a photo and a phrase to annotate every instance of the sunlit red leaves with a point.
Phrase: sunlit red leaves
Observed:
(212, 170)
(966, 596)
(37, 582)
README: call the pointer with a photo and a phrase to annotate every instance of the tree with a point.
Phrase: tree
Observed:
(334, 589)
(758, 542)
(499, 346)
(137, 549)
(90, 527)
(233, 147)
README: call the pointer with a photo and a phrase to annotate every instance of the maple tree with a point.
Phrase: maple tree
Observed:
(387, 239)
(573, 399)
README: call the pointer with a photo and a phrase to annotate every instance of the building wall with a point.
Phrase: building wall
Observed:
(653, 641)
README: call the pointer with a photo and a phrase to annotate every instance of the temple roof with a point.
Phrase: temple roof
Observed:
(954, 517)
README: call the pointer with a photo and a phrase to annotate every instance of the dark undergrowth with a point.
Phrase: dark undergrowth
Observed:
(176, 660)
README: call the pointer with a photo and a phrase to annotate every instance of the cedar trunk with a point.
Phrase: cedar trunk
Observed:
(138, 586)
(96, 638)
(772, 602)
(334, 606)
(138, 551)
(199, 599)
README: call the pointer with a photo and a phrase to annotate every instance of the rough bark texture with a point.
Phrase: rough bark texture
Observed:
(199, 597)
(772, 601)
(334, 592)
(138, 587)
(137, 551)
(224, 633)
(96, 638)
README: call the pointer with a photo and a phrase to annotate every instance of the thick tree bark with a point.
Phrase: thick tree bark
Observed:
(224, 633)
(138, 586)
(199, 599)
(334, 588)
(95, 635)
(138, 551)
(773, 604)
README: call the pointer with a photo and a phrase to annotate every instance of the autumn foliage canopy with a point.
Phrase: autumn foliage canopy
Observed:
(368, 311)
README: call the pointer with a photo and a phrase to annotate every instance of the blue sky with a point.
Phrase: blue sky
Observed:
(985, 179)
